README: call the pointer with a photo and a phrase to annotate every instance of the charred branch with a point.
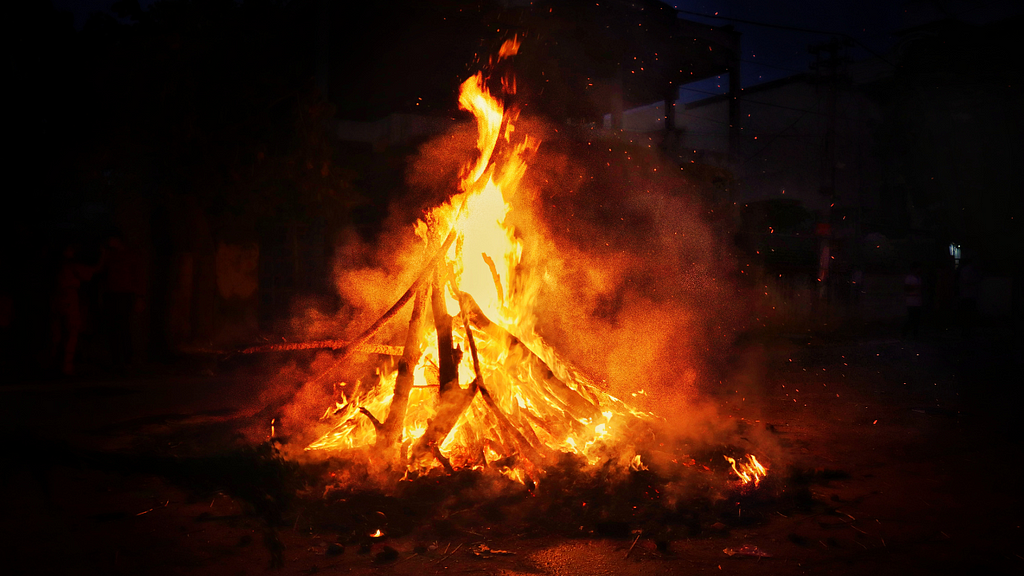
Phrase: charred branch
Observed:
(447, 361)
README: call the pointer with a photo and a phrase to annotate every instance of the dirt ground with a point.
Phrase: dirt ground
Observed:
(912, 451)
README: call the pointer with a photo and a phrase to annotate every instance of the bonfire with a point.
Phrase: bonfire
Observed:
(475, 386)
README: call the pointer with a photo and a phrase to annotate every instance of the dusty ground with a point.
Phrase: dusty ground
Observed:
(910, 452)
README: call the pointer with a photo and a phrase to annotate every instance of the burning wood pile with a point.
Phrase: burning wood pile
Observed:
(474, 386)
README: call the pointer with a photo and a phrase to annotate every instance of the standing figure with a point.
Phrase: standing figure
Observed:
(913, 293)
(66, 309)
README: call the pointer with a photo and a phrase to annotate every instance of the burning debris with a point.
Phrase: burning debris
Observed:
(748, 472)
(475, 387)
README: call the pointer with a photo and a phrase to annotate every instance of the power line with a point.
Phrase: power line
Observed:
(763, 24)
(758, 102)
(777, 136)
(772, 66)
(791, 29)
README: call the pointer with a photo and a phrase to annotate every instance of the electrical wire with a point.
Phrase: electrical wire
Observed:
(779, 135)
(791, 29)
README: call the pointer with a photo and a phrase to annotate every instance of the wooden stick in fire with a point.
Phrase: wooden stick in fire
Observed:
(453, 403)
(570, 400)
(391, 313)
(503, 420)
(448, 357)
(392, 428)
(454, 400)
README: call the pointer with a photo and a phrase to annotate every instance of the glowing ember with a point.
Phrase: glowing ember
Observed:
(748, 472)
(377, 534)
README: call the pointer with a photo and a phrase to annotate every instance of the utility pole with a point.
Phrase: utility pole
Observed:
(827, 75)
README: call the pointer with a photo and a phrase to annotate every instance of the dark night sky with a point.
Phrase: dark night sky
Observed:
(81, 9)
(772, 48)
(771, 51)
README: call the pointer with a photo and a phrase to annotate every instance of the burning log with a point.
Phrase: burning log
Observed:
(448, 356)
(391, 312)
(494, 275)
(569, 399)
(506, 425)
(453, 399)
(454, 403)
(392, 428)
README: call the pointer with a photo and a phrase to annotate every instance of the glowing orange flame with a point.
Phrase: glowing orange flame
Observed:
(636, 464)
(750, 471)
(535, 404)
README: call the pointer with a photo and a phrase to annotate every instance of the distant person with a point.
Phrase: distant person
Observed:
(912, 288)
(66, 309)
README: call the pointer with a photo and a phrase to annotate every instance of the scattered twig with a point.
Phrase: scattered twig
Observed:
(164, 505)
(447, 556)
(635, 540)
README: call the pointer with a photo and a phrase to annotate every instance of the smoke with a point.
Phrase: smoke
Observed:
(371, 276)
(634, 267)
(626, 261)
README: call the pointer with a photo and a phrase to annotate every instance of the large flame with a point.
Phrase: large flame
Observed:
(532, 404)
